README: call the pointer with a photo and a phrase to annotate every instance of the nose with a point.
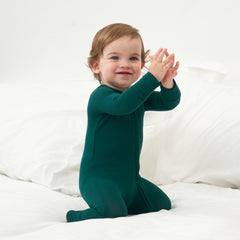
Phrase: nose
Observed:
(124, 63)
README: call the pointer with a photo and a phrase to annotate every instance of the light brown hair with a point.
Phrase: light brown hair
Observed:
(109, 34)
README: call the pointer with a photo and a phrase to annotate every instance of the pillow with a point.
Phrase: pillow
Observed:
(42, 128)
(198, 141)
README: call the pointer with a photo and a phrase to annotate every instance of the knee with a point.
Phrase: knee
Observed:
(163, 204)
(114, 211)
(167, 204)
(158, 199)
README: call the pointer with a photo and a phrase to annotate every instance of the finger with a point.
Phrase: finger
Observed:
(168, 65)
(169, 59)
(172, 57)
(166, 55)
(176, 66)
(156, 56)
(175, 73)
(161, 55)
(158, 52)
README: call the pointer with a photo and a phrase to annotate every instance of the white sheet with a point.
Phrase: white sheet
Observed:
(42, 132)
(31, 211)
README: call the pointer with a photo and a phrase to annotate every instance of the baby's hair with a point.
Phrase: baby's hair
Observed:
(109, 34)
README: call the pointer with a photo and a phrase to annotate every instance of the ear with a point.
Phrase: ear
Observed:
(95, 67)
(143, 64)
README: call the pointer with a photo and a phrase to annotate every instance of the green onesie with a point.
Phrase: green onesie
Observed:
(109, 174)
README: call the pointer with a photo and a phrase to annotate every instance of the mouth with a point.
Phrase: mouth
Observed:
(124, 73)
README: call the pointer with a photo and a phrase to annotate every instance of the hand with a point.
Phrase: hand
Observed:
(160, 65)
(171, 73)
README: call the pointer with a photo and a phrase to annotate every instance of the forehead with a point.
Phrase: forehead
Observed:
(124, 44)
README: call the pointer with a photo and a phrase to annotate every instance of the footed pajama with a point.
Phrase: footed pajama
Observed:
(109, 174)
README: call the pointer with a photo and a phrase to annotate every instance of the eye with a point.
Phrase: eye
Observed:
(114, 58)
(133, 58)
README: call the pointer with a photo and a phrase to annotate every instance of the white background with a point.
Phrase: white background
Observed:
(49, 40)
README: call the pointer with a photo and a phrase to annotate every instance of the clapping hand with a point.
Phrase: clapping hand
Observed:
(163, 67)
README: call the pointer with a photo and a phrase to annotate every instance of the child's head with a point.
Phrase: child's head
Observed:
(109, 34)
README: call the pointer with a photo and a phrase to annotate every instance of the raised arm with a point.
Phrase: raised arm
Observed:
(169, 96)
(163, 100)
(107, 100)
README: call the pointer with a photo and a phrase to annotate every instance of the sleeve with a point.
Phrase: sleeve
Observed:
(163, 100)
(107, 100)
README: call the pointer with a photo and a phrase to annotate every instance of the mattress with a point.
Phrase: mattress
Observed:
(200, 211)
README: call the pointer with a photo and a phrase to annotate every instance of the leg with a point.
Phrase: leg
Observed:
(150, 198)
(104, 199)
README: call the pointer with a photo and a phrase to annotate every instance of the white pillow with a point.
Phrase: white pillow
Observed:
(42, 128)
(199, 141)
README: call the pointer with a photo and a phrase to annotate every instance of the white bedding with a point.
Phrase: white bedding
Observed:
(43, 125)
(42, 131)
(200, 211)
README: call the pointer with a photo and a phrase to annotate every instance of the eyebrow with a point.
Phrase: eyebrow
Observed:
(115, 53)
(112, 53)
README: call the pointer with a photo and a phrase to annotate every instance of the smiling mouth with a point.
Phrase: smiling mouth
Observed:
(124, 73)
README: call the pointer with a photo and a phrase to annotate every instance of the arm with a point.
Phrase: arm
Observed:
(107, 100)
(164, 100)
(167, 81)
(110, 101)
(169, 97)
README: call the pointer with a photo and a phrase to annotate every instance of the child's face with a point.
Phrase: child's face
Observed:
(120, 65)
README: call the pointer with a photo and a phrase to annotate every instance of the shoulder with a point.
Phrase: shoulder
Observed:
(100, 94)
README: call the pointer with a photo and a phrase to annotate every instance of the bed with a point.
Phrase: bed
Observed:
(191, 152)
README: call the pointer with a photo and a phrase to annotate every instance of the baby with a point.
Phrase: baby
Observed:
(109, 174)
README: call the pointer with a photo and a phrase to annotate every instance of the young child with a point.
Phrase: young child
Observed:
(109, 174)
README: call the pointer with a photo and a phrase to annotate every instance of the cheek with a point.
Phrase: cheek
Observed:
(110, 66)
(106, 68)
(138, 68)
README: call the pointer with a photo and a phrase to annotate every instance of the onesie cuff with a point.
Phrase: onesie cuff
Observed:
(171, 92)
(153, 79)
